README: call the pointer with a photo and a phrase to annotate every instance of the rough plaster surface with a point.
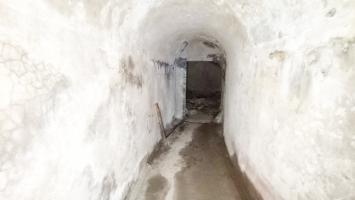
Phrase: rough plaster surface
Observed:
(76, 106)
(78, 81)
(289, 105)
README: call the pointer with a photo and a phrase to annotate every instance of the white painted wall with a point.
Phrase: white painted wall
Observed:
(78, 81)
(76, 100)
(289, 106)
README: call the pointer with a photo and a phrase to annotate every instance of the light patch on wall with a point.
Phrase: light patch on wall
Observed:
(109, 185)
(63, 6)
(93, 8)
(25, 103)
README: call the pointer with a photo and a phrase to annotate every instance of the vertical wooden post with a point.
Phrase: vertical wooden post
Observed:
(162, 130)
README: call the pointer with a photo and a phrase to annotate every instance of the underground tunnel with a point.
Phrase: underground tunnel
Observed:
(177, 99)
(203, 86)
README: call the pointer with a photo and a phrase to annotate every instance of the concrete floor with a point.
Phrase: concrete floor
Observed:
(192, 164)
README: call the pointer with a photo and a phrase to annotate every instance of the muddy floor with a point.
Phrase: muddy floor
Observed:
(192, 164)
(208, 174)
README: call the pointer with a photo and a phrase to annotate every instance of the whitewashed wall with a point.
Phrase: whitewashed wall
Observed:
(76, 100)
(289, 106)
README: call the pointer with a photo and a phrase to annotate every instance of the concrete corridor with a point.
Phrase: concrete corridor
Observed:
(192, 164)
(89, 87)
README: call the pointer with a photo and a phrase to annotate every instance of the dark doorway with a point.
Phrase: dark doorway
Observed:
(203, 87)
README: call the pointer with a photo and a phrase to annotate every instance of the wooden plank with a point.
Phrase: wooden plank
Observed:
(160, 119)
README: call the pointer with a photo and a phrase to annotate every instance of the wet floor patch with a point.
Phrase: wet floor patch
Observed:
(191, 164)
(165, 162)
(208, 173)
(157, 188)
(160, 149)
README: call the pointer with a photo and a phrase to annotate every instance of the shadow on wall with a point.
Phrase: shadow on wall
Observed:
(246, 188)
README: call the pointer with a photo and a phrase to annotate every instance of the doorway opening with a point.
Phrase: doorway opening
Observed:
(204, 85)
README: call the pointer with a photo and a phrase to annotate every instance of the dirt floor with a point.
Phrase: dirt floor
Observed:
(192, 164)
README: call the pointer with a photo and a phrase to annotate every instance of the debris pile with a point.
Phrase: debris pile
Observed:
(206, 105)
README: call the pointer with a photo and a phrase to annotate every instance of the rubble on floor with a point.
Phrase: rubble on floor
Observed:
(203, 110)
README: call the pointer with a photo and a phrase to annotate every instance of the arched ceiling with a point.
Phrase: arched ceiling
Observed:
(163, 27)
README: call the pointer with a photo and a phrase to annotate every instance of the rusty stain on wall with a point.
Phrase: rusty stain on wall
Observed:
(127, 69)
(278, 55)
